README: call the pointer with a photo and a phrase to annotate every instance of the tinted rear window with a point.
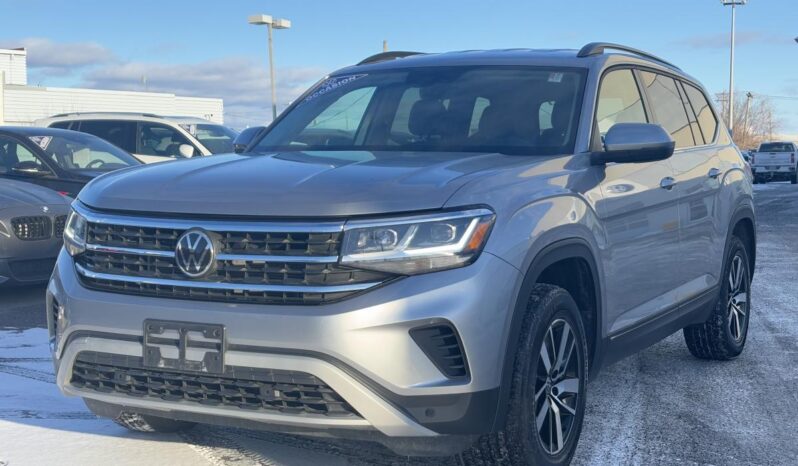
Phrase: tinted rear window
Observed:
(776, 147)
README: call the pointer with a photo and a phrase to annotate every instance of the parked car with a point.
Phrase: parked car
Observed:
(58, 159)
(151, 138)
(32, 222)
(775, 161)
(433, 251)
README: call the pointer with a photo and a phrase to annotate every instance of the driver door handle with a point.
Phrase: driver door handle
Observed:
(667, 183)
(714, 173)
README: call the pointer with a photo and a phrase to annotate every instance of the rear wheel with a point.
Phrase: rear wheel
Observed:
(723, 335)
(547, 395)
(794, 177)
(134, 421)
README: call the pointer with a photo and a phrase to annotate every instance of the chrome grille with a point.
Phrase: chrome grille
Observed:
(256, 262)
(232, 242)
(32, 228)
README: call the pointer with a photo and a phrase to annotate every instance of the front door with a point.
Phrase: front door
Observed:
(639, 210)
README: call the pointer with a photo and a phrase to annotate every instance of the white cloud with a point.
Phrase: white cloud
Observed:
(61, 57)
(241, 82)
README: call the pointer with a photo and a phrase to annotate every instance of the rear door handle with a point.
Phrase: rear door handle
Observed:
(667, 183)
(714, 173)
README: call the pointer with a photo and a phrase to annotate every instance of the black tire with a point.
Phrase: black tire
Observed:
(723, 336)
(520, 443)
(134, 421)
(794, 179)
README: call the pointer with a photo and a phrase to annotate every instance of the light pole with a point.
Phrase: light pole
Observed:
(271, 23)
(733, 4)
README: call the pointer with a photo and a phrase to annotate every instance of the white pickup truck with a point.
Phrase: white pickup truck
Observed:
(775, 161)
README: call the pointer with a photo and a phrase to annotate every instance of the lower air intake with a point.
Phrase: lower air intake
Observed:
(442, 346)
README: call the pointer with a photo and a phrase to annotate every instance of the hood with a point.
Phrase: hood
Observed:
(17, 193)
(294, 184)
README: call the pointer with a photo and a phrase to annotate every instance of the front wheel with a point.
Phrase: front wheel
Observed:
(547, 395)
(723, 335)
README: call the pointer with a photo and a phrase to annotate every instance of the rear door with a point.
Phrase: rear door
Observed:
(639, 209)
(121, 133)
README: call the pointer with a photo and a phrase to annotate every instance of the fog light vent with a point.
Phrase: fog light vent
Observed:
(442, 346)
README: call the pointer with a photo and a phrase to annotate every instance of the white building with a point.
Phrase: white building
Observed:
(21, 104)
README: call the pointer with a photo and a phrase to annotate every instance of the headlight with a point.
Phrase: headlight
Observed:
(75, 234)
(413, 245)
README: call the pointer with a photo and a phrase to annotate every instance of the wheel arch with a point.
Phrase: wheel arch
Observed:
(572, 249)
(743, 225)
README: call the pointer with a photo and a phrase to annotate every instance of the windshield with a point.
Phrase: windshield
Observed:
(216, 138)
(78, 152)
(776, 147)
(518, 110)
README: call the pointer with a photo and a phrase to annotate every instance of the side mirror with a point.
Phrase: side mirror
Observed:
(635, 143)
(30, 169)
(245, 138)
(186, 150)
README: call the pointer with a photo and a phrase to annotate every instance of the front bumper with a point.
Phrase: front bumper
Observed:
(360, 347)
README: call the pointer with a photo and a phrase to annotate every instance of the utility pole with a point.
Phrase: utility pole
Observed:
(384, 45)
(748, 97)
(271, 23)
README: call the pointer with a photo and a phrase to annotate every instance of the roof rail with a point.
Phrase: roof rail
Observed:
(597, 48)
(150, 115)
(385, 56)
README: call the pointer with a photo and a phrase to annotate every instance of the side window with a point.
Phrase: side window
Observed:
(160, 140)
(61, 124)
(544, 115)
(697, 135)
(706, 117)
(619, 101)
(480, 104)
(119, 133)
(668, 108)
(401, 122)
(14, 155)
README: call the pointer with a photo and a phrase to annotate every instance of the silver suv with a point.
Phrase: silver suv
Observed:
(432, 251)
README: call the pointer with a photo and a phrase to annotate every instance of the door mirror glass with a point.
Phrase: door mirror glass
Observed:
(635, 143)
(186, 150)
(245, 138)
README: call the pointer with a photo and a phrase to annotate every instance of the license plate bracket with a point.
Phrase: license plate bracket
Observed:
(184, 346)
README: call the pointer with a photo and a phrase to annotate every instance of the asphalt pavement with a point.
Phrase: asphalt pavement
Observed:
(661, 406)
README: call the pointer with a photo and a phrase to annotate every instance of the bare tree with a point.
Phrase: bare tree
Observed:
(755, 118)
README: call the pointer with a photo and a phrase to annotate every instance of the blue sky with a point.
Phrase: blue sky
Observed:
(207, 48)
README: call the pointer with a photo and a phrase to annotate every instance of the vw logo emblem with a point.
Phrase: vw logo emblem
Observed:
(195, 254)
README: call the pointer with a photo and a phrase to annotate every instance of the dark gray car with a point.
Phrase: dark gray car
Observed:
(433, 251)
(31, 227)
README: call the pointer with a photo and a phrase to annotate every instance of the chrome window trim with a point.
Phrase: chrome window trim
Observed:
(225, 286)
(243, 226)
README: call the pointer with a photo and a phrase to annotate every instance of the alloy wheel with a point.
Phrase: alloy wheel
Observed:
(557, 387)
(738, 302)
